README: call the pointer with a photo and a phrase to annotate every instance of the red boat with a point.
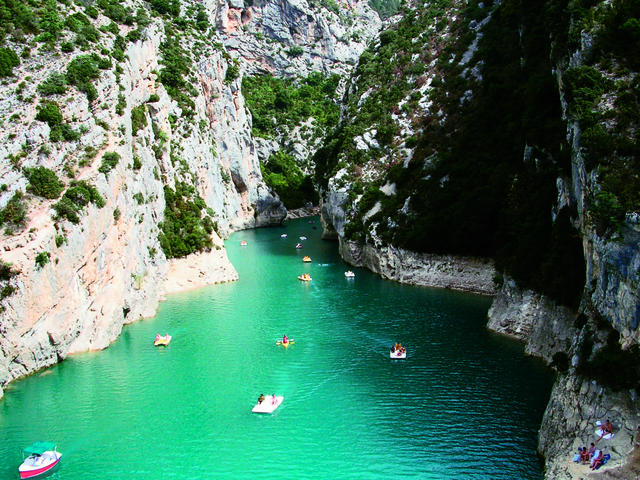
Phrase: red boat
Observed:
(42, 457)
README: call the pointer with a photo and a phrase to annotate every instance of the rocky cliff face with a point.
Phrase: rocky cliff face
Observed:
(570, 420)
(109, 268)
(328, 37)
(545, 327)
(442, 271)
(405, 180)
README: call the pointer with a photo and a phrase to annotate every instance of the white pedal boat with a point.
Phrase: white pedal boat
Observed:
(398, 354)
(349, 274)
(268, 405)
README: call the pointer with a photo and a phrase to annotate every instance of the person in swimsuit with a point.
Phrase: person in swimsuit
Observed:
(606, 429)
(261, 398)
(584, 455)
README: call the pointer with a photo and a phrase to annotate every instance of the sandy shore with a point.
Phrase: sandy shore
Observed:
(198, 270)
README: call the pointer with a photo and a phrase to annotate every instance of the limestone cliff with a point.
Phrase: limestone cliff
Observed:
(151, 106)
(500, 131)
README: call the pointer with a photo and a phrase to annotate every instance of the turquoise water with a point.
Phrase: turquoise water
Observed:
(465, 404)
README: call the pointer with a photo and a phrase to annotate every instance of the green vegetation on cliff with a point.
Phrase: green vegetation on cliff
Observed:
(280, 105)
(603, 95)
(490, 145)
(284, 102)
(43, 182)
(294, 188)
(184, 229)
(75, 198)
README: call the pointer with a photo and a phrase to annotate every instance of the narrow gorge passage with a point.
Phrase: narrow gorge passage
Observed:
(464, 404)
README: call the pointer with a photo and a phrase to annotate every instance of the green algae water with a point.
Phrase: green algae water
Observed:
(465, 404)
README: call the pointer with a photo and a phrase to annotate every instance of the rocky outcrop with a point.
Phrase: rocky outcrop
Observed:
(325, 40)
(442, 271)
(544, 327)
(569, 422)
(613, 269)
(109, 268)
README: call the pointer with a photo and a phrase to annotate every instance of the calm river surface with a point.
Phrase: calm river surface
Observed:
(465, 404)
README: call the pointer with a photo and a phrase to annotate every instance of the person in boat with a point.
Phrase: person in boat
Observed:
(392, 349)
(285, 339)
(261, 398)
(157, 337)
(273, 399)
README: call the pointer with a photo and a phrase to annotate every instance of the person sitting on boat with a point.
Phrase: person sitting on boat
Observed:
(273, 399)
(261, 398)
(157, 337)
(393, 348)
(285, 339)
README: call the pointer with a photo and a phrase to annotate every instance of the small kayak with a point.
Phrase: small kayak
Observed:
(162, 340)
(268, 405)
(306, 259)
(285, 344)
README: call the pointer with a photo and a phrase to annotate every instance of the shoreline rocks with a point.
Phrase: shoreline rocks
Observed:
(467, 274)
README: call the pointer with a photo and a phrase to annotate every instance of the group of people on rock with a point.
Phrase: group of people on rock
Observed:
(593, 456)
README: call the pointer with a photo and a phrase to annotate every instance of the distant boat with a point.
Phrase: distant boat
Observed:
(398, 353)
(284, 235)
(303, 238)
(306, 259)
(290, 341)
(298, 245)
(243, 243)
(349, 274)
(305, 277)
(162, 339)
(268, 405)
(42, 457)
